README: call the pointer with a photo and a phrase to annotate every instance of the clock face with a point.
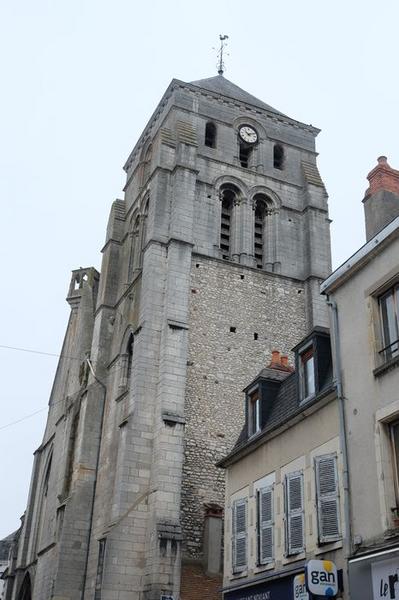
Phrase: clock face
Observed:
(248, 134)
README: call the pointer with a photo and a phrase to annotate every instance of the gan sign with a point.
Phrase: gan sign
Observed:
(322, 578)
(300, 592)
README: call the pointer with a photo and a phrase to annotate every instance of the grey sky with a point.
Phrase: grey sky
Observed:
(79, 81)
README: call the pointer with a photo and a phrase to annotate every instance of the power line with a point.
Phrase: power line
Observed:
(23, 418)
(40, 352)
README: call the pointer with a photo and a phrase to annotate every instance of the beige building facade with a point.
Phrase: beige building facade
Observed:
(364, 299)
(284, 480)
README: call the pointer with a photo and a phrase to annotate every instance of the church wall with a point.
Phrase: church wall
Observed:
(187, 364)
(220, 364)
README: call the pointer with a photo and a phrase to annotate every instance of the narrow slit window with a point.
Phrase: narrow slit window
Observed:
(278, 157)
(210, 135)
(245, 155)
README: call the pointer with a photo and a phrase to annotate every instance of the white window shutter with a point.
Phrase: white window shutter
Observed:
(265, 525)
(327, 498)
(239, 535)
(295, 522)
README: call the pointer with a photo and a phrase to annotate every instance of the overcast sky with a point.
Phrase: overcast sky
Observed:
(80, 78)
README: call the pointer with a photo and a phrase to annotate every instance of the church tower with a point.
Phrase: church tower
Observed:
(212, 260)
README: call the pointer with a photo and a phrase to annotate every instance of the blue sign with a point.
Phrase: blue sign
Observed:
(279, 589)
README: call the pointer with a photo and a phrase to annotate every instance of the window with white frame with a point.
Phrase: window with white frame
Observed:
(307, 373)
(394, 438)
(239, 535)
(253, 413)
(327, 492)
(294, 513)
(389, 311)
(265, 525)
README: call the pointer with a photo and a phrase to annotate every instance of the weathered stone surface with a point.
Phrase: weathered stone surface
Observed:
(174, 332)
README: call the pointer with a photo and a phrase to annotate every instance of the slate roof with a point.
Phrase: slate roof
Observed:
(221, 85)
(286, 404)
(5, 545)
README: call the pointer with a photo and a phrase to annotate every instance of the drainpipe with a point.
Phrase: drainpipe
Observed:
(95, 474)
(342, 427)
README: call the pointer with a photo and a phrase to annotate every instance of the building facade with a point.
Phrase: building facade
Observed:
(223, 232)
(364, 300)
(284, 480)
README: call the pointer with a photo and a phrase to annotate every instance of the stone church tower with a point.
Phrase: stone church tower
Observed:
(212, 260)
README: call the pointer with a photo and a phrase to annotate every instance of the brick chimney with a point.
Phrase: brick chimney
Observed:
(279, 362)
(381, 201)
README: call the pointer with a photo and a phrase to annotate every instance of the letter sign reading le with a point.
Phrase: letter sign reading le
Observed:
(300, 591)
(322, 578)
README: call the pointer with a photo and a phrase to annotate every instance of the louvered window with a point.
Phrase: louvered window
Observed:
(258, 234)
(228, 197)
(239, 528)
(327, 498)
(295, 522)
(265, 525)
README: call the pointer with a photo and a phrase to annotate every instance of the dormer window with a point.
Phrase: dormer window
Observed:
(307, 374)
(253, 413)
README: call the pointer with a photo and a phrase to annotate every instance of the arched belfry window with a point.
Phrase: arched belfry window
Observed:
(264, 232)
(260, 211)
(210, 135)
(229, 196)
(278, 157)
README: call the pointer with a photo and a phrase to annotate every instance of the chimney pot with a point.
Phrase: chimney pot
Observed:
(276, 357)
(284, 361)
(382, 160)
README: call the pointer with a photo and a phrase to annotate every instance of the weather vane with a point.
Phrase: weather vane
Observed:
(223, 43)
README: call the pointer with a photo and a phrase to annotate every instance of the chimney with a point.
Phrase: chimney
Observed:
(284, 361)
(381, 201)
(280, 362)
(275, 358)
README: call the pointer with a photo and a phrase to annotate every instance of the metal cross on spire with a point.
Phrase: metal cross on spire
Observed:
(223, 43)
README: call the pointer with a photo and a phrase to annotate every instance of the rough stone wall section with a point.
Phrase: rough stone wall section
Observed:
(237, 317)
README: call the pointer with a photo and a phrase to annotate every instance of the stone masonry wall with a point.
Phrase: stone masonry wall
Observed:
(221, 363)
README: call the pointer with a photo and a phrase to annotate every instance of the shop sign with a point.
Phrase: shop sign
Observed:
(300, 591)
(322, 578)
(279, 589)
(385, 577)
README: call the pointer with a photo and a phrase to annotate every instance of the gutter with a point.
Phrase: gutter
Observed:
(342, 429)
(362, 256)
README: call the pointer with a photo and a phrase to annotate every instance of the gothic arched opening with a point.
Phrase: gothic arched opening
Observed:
(228, 195)
(25, 592)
